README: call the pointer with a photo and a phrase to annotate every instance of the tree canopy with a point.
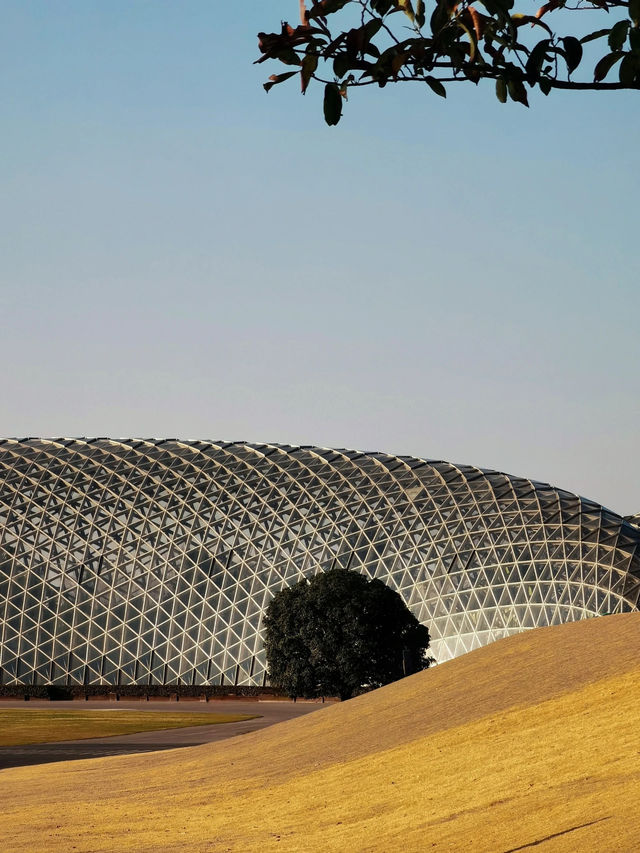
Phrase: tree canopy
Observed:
(340, 632)
(344, 44)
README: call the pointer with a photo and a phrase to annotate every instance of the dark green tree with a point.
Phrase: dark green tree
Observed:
(338, 633)
(344, 44)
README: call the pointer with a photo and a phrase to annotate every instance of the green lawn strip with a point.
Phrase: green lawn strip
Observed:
(19, 727)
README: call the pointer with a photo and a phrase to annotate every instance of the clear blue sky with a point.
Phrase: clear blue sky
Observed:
(183, 255)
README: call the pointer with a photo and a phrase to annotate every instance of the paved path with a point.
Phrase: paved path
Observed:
(42, 753)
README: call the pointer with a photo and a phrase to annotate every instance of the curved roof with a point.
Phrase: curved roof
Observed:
(137, 560)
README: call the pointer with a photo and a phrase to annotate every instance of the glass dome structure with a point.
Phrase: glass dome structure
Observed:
(151, 562)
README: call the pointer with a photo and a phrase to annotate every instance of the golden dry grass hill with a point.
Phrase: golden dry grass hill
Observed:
(531, 743)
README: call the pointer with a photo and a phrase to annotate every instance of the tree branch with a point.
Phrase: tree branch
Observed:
(463, 45)
(493, 75)
(591, 87)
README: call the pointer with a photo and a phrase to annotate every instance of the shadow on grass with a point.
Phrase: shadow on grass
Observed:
(555, 835)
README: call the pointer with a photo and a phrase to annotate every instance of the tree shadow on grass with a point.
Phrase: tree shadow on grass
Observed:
(555, 835)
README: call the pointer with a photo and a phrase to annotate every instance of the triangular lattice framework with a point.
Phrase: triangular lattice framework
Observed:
(152, 561)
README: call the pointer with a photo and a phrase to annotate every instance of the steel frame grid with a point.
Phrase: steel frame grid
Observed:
(151, 562)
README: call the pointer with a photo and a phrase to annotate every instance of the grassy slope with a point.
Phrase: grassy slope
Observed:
(19, 727)
(532, 738)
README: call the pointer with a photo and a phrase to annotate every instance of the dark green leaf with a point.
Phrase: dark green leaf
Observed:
(326, 7)
(592, 36)
(517, 91)
(289, 57)
(501, 90)
(436, 86)
(330, 48)
(420, 13)
(332, 104)
(634, 39)
(341, 64)
(309, 65)
(490, 6)
(618, 35)
(605, 65)
(441, 16)
(545, 85)
(629, 68)
(504, 5)
(382, 6)
(634, 11)
(278, 78)
(372, 27)
(519, 20)
(536, 58)
(572, 52)
(397, 62)
(497, 9)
